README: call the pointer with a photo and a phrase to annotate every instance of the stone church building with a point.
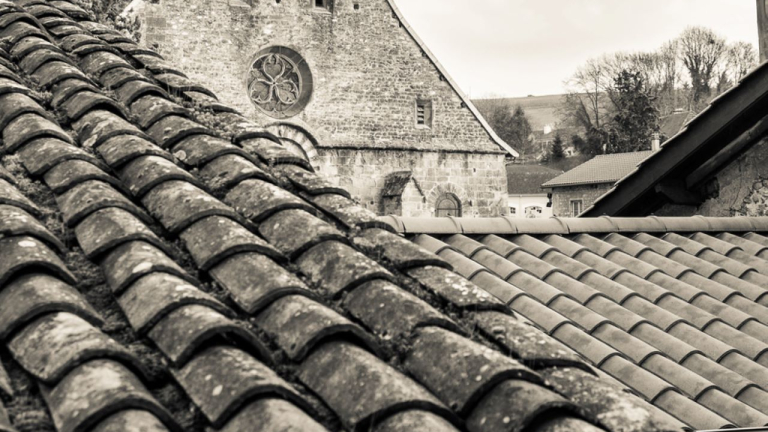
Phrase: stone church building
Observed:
(348, 85)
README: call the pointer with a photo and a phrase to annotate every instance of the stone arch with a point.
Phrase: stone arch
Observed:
(298, 140)
(449, 189)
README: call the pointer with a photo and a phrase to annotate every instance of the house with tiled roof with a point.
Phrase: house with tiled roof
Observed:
(362, 96)
(526, 197)
(578, 188)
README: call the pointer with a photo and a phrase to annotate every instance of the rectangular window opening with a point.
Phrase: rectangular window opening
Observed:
(577, 207)
(424, 113)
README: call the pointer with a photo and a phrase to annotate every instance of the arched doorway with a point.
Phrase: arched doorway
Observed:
(448, 205)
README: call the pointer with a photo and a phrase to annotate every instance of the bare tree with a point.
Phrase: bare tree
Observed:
(701, 51)
(741, 57)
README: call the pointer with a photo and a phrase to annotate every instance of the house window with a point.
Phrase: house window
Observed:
(322, 4)
(448, 205)
(512, 211)
(424, 113)
(577, 206)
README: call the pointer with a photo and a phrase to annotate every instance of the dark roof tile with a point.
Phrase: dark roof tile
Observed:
(222, 379)
(110, 227)
(337, 267)
(170, 130)
(560, 423)
(143, 173)
(177, 84)
(97, 126)
(526, 342)
(25, 128)
(19, 254)
(94, 391)
(226, 171)
(361, 388)
(391, 312)
(604, 401)
(179, 204)
(42, 154)
(67, 88)
(132, 420)
(14, 221)
(56, 72)
(120, 150)
(346, 211)
(10, 196)
(32, 295)
(188, 328)
(91, 196)
(514, 405)
(156, 65)
(130, 261)
(198, 150)
(310, 182)
(257, 200)
(254, 281)
(84, 101)
(455, 289)
(71, 42)
(152, 297)
(410, 420)
(73, 172)
(54, 344)
(98, 62)
(298, 324)
(16, 104)
(295, 231)
(459, 371)
(34, 60)
(215, 238)
(116, 78)
(273, 415)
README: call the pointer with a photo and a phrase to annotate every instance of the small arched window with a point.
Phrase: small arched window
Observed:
(448, 205)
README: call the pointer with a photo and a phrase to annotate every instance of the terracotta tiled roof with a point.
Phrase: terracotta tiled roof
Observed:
(166, 265)
(674, 308)
(527, 179)
(600, 169)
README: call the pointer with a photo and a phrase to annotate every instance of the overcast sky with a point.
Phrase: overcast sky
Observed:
(522, 47)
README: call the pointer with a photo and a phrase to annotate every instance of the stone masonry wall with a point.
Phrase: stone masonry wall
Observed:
(477, 180)
(562, 196)
(368, 72)
(742, 188)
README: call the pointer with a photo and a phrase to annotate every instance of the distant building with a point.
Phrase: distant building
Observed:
(576, 190)
(526, 197)
(349, 88)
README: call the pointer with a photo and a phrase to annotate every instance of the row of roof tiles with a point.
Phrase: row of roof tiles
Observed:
(678, 317)
(330, 293)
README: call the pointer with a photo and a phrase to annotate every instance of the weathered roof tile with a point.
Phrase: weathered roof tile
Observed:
(221, 379)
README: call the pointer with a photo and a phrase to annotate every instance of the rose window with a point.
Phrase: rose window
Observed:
(280, 82)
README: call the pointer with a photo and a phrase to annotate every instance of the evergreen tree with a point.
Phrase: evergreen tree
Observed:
(557, 151)
(635, 118)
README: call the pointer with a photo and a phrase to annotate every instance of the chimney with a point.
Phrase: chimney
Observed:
(656, 141)
(762, 28)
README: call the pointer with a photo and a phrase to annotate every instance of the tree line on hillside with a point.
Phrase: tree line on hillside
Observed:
(614, 103)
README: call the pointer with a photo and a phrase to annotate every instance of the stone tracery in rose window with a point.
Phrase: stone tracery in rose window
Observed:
(279, 82)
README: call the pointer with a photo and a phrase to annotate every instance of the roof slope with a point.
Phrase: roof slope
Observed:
(188, 272)
(731, 124)
(600, 169)
(527, 179)
(671, 124)
(674, 308)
